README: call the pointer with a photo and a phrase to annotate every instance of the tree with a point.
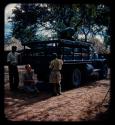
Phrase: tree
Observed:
(88, 19)
(99, 46)
(94, 20)
(25, 22)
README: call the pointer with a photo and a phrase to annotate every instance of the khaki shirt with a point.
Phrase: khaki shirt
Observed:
(55, 66)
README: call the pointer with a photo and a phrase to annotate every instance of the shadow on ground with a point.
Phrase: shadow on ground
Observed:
(27, 98)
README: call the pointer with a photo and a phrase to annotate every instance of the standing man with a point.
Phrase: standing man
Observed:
(55, 75)
(12, 60)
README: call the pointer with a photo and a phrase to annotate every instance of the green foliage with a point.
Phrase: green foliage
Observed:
(99, 46)
(84, 18)
(24, 22)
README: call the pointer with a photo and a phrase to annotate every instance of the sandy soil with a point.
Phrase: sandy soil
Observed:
(78, 104)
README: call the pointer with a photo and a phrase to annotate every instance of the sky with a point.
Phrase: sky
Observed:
(8, 11)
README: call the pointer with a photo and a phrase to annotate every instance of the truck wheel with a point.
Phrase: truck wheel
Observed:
(76, 77)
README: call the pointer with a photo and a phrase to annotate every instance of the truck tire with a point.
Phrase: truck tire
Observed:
(76, 77)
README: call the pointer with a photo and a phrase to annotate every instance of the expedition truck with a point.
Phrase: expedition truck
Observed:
(81, 62)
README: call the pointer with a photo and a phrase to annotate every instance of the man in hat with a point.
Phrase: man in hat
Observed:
(12, 60)
(55, 75)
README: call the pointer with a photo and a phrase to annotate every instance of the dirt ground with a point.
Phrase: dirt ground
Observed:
(79, 104)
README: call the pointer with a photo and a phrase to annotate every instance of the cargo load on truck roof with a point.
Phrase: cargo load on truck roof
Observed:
(62, 42)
